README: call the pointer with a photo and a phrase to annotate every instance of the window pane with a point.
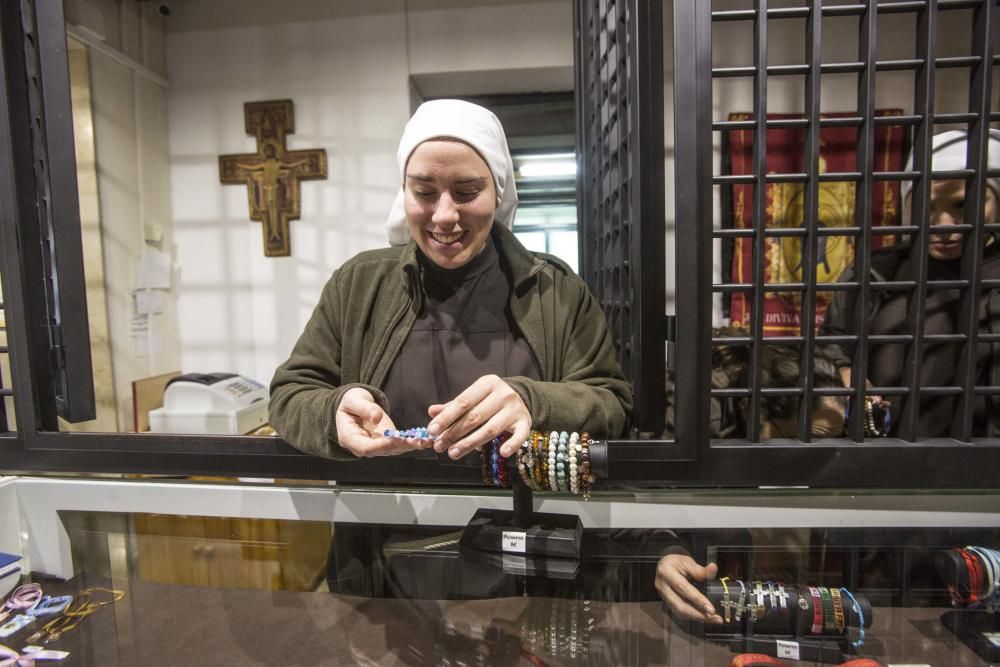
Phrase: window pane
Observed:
(181, 277)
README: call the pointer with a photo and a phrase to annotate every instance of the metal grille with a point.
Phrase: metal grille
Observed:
(46, 77)
(972, 389)
(7, 421)
(620, 184)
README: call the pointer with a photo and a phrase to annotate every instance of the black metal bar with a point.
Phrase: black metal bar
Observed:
(923, 104)
(759, 216)
(938, 463)
(522, 501)
(4, 392)
(895, 175)
(885, 339)
(766, 287)
(905, 119)
(58, 204)
(646, 211)
(833, 10)
(25, 313)
(980, 81)
(742, 179)
(894, 7)
(935, 229)
(836, 121)
(947, 284)
(862, 213)
(957, 118)
(582, 45)
(807, 316)
(833, 463)
(845, 67)
(961, 61)
(693, 207)
(733, 288)
(898, 65)
(884, 230)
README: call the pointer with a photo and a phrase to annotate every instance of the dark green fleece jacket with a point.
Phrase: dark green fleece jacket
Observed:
(369, 305)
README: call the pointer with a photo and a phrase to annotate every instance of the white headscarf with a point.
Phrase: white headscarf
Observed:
(471, 124)
(949, 153)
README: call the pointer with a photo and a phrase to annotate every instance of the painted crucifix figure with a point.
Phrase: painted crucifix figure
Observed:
(272, 174)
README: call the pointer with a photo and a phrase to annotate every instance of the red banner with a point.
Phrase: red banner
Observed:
(785, 209)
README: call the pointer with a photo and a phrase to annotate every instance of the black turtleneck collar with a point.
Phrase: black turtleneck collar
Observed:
(483, 261)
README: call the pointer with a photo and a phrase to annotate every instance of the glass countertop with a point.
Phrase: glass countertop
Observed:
(220, 590)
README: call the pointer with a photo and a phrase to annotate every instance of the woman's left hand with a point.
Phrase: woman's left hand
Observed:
(487, 409)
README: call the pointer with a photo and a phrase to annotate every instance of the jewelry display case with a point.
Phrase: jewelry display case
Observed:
(407, 592)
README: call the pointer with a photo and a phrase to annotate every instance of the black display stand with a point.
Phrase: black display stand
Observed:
(783, 630)
(557, 569)
(524, 532)
(979, 629)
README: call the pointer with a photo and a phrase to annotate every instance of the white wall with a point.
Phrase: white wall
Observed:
(130, 132)
(347, 69)
(125, 50)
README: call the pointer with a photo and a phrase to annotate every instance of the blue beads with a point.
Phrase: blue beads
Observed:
(418, 432)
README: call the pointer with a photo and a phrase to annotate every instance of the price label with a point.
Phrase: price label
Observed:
(787, 649)
(514, 541)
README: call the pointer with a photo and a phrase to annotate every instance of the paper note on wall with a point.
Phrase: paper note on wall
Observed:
(148, 302)
(152, 270)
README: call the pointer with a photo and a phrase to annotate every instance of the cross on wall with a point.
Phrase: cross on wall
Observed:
(272, 174)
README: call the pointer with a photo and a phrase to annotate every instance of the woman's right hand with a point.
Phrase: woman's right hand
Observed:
(361, 423)
(674, 573)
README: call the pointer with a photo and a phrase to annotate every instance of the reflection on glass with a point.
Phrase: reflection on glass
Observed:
(433, 605)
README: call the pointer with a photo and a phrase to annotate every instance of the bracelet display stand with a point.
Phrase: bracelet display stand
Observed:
(524, 532)
(979, 629)
(783, 630)
(524, 536)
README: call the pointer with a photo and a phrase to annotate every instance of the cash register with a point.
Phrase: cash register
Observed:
(214, 403)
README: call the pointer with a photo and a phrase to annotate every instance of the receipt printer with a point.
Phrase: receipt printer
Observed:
(219, 403)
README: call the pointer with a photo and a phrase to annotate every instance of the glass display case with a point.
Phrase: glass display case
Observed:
(221, 571)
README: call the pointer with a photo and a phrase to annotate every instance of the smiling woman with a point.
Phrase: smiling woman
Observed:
(457, 323)
(450, 200)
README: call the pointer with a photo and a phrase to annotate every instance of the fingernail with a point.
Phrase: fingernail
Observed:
(433, 428)
(453, 452)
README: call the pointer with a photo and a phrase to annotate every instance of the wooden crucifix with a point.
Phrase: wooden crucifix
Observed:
(272, 174)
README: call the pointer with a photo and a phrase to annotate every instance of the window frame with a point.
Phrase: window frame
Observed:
(690, 459)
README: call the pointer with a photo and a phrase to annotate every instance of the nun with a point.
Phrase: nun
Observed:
(455, 327)
(943, 253)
